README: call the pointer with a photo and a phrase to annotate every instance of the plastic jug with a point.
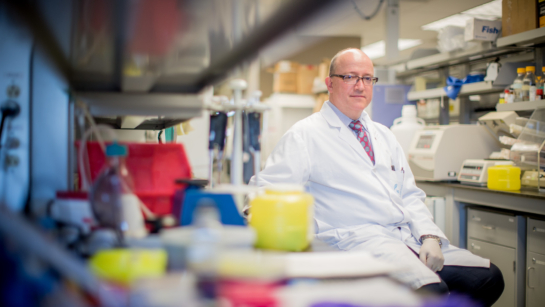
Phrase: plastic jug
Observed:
(283, 218)
(406, 126)
(504, 178)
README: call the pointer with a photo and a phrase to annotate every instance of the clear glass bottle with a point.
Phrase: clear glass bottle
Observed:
(204, 249)
(517, 84)
(541, 83)
(111, 189)
(529, 84)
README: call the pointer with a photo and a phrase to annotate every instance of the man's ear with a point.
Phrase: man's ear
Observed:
(329, 83)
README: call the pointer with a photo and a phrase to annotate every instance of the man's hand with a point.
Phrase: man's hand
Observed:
(431, 255)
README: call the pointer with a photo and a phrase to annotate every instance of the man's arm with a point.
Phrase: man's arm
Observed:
(288, 163)
(413, 200)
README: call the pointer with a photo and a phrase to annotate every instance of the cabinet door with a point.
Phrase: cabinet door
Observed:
(504, 259)
(535, 280)
(536, 236)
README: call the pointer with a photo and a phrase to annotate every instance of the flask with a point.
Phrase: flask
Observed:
(406, 126)
(111, 193)
(205, 245)
(517, 84)
(529, 84)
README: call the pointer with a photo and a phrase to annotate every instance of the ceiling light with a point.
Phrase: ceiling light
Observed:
(378, 49)
(489, 11)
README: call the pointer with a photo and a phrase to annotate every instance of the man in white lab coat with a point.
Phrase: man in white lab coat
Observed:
(365, 193)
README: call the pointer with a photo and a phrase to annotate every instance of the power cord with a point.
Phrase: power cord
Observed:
(363, 15)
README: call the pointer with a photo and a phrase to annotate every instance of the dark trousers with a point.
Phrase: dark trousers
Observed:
(484, 285)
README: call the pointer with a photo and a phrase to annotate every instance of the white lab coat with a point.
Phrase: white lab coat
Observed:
(358, 205)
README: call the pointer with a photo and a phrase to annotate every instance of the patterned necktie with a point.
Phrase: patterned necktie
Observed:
(363, 138)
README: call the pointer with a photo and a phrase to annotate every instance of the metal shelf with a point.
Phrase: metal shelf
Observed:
(445, 59)
(196, 49)
(524, 39)
(477, 88)
(157, 111)
(521, 106)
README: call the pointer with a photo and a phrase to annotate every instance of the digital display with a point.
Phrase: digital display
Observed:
(425, 141)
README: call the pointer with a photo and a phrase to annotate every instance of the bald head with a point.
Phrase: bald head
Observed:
(333, 64)
(351, 99)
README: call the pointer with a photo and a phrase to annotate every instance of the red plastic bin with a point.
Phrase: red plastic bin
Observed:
(153, 168)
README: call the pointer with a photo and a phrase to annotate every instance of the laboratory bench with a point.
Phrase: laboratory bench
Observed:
(507, 227)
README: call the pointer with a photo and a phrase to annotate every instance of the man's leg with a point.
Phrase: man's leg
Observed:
(484, 285)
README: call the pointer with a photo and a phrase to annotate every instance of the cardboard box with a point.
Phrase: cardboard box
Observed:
(286, 66)
(285, 77)
(305, 78)
(285, 82)
(518, 16)
(482, 30)
(323, 69)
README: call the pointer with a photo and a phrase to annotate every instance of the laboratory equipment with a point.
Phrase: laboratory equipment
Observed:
(154, 169)
(475, 171)
(437, 153)
(529, 178)
(111, 192)
(405, 127)
(126, 266)
(282, 218)
(498, 123)
(504, 178)
(229, 214)
(15, 67)
(253, 134)
(529, 84)
(218, 125)
(529, 150)
(517, 84)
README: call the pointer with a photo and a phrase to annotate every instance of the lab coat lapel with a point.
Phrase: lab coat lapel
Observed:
(344, 132)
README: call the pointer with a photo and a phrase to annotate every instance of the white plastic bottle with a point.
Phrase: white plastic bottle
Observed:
(406, 126)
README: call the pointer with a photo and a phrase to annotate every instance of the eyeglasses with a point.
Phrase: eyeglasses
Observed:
(351, 79)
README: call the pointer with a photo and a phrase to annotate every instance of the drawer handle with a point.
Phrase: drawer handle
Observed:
(489, 227)
(529, 269)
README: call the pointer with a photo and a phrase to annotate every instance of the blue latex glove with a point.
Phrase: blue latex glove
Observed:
(454, 85)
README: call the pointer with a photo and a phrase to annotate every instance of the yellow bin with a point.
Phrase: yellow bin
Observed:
(283, 218)
(504, 177)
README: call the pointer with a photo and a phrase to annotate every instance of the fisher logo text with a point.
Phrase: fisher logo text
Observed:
(487, 29)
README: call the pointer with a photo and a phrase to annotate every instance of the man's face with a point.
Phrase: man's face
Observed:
(351, 99)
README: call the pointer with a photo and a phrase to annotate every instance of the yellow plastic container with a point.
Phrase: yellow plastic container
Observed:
(504, 178)
(124, 266)
(283, 218)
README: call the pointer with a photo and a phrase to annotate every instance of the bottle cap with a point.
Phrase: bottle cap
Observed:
(530, 68)
(408, 111)
(521, 70)
(116, 150)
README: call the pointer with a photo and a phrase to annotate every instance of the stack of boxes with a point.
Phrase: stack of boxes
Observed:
(294, 78)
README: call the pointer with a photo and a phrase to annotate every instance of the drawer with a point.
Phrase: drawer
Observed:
(504, 258)
(536, 236)
(492, 227)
